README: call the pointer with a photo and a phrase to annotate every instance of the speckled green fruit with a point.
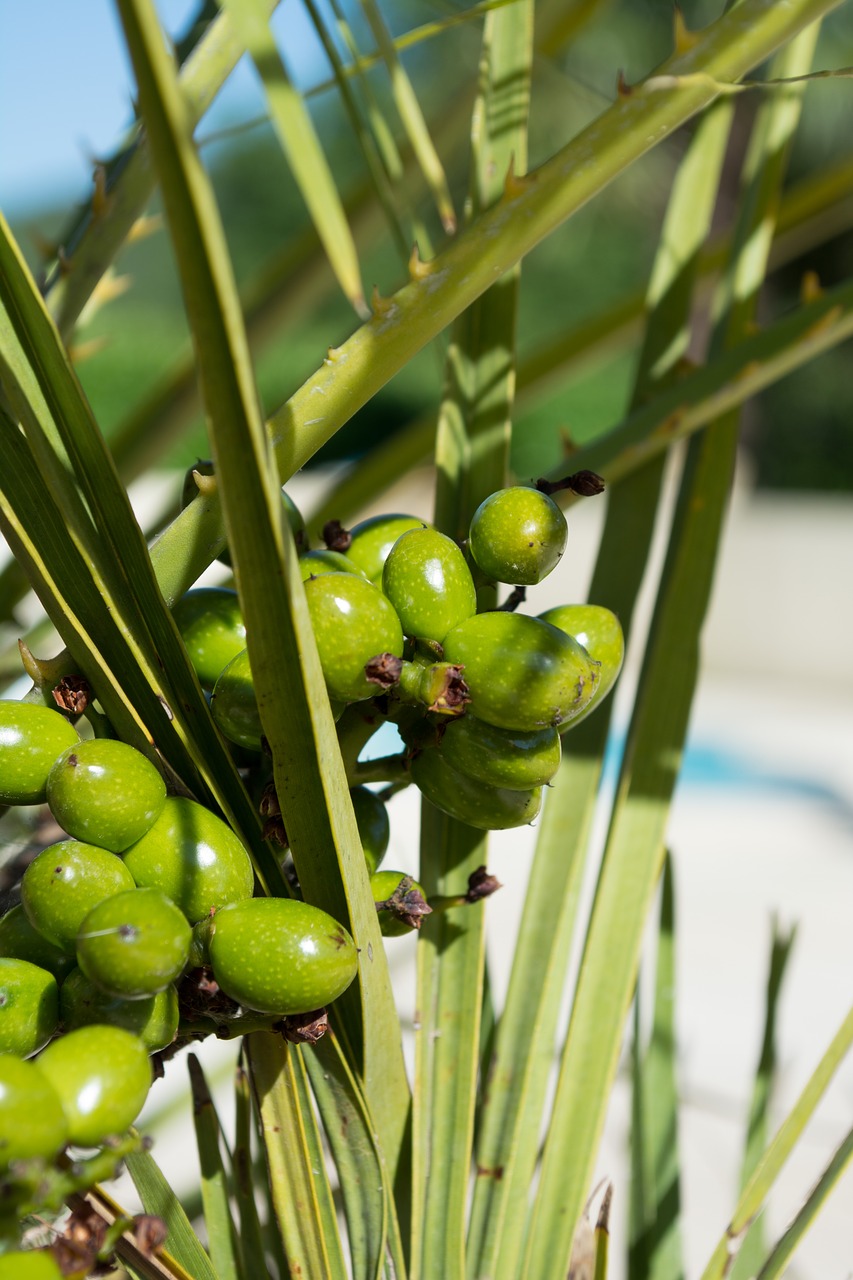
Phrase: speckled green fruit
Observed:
(429, 584)
(276, 955)
(64, 882)
(522, 673)
(374, 828)
(105, 792)
(102, 1076)
(234, 706)
(212, 627)
(384, 885)
(463, 797)
(315, 563)
(193, 857)
(600, 632)
(20, 941)
(373, 539)
(32, 1121)
(29, 1007)
(31, 738)
(353, 622)
(154, 1019)
(134, 944)
(517, 535)
(34, 1264)
(501, 757)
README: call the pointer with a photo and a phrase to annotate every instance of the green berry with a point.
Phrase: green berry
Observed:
(32, 1264)
(315, 563)
(32, 1121)
(31, 738)
(29, 1007)
(234, 706)
(374, 829)
(105, 792)
(275, 955)
(373, 539)
(429, 584)
(211, 625)
(64, 882)
(517, 535)
(353, 622)
(400, 903)
(102, 1076)
(521, 673)
(134, 944)
(501, 757)
(154, 1019)
(462, 797)
(20, 941)
(193, 857)
(600, 632)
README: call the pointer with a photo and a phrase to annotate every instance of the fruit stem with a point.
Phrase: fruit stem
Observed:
(393, 768)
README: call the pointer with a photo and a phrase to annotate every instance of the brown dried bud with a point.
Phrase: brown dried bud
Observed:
(481, 885)
(274, 829)
(384, 671)
(586, 484)
(149, 1232)
(407, 904)
(73, 694)
(336, 537)
(304, 1028)
(269, 806)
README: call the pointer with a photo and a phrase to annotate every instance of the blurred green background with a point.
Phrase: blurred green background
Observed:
(798, 435)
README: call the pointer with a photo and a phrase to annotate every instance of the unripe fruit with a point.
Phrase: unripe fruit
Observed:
(212, 628)
(29, 1007)
(234, 706)
(275, 955)
(102, 1076)
(193, 857)
(469, 801)
(31, 738)
(600, 632)
(429, 584)
(373, 539)
(522, 673)
(154, 1019)
(105, 792)
(20, 941)
(517, 535)
(64, 882)
(401, 903)
(134, 944)
(315, 563)
(353, 622)
(374, 829)
(501, 757)
(32, 1121)
(34, 1264)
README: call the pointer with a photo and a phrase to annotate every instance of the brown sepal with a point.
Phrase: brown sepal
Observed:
(383, 671)
(304, 1028)
(73, 694)
(336, 537)
(481, 885)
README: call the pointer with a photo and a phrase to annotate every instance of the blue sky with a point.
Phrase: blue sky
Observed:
(66, 87)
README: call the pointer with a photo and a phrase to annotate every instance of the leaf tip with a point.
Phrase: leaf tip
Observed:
(683, 38)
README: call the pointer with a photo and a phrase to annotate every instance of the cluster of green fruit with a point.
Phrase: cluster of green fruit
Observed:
(146, 887)
(481, 699)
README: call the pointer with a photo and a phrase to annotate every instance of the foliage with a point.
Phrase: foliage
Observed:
(444, 1171)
